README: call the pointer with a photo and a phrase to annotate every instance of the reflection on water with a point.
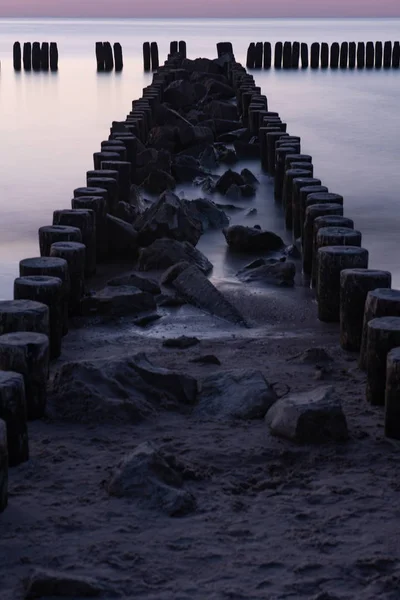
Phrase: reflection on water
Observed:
(51, 123)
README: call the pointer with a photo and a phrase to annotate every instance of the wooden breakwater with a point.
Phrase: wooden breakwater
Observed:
(109, 57)
(35, 56)
(345, 55)
(51, 287)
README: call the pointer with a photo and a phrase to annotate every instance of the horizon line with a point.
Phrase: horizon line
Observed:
(302, 18)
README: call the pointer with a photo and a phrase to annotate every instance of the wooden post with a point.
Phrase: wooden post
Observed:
(287, 55)
(392, 395)
(49, 234)
(100, 58)
(17, 56)
(319, 223)
(311, 213)
(383, 336)
(118, 59)
(182, 48)
(100, 157)
(278, 55)
(267, 55)
(108, 56)
(378, 55)
(396, 55)
(53, 57)
(354, 287)
(44, 56)
(335, 51)
(315, 47)
(387, 55)
(173, 48)
(84, 220)
(99, 206)
(331, 261)
(287, 192)
(24, 315)
(258, 55)
(298, 184)
(146, 56)
(360, 55)
(74, 254)
(27, 56)
(295, 55)
(344, 55)
(352, 55)
(13, 412)
(370, 55)
(124, 176)
(304, 55)
(303, 195)
(3, 467)
(154, 56)
(324, 55)
(36, 56)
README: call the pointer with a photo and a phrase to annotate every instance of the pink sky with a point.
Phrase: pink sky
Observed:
(205, 8)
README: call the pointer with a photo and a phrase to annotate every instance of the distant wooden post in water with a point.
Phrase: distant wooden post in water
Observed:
(387, 55)
(154, 56)
(396, 55)
(360, 55)
(44, 56)
(335, 51)
(304, 55)
(17, 56)
(267, 55)
(278, 55)
(36, 56)
(378, 55)
(344, 55)
(108, 56)
(258, 58)
(173, 47)
(325, 56)
(370, 55)
(295, 55)
(100, 56)
(287, 55)
(315, 55)
(118, 60)
(352, 55)
(182, 48)
(146, 56)
(251, 56)
(53, 56)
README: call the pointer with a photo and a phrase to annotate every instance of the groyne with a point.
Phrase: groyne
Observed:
(155, 148)
(35, 56)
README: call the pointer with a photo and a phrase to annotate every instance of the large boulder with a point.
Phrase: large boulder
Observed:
(239, 394)
(163, 137)
(145, 476)
(195, 135)
(165, 253)
(132, 279)
(218, 89)
(183, 94)
(169, 217)
(252, 239)
(158, 181)
(310, 417)
(121, 300)
(271, 271)
(118, 390)
(122, 238)
(222, 110)
(208, 213)
(43, 583)
(204, 65)
(228, 179)
(247, 150)
(186, 168)
(209, 159)
(193, 285)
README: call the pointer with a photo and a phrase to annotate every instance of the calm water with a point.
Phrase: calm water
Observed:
(50, 124)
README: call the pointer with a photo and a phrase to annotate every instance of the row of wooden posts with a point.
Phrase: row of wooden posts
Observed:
(106, 60)
(349, 55)
(36, 56)
(151, 56)
(360, 299)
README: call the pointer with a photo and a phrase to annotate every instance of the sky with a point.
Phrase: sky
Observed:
(194, 8)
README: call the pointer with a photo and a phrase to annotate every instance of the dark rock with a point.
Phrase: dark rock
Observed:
(186, 168)
(172, 273)
(110, 390)
(126, 212)
(313, 356)
(247, 191)
(181, 94)
(44, 583)
(272, 271)
(248, 177)
(145, 476)
(251, 212)
(239, 395)
(149, 155)
(314, 416)
(195, 135)
(146, 285)
(193, 285)
(204, 65)
(219, 89)
(181, 342)
(233, 192)
(120, 300)
(169, 217)
(208, 213)
(164, 137)
(209, 159)
(227, 179)
(228, 157)
(170, 301)
(159, 181)
(222, 110)
(122, 238)
(246, 150)
(251, 239)
(242, 134)
(207, 359)
(165, 252)
(146, 320)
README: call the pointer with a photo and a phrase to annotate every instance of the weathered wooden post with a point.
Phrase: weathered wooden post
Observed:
(315, 47)
(267, 55)
(287, 55)
(44, 56)
(49, 234)
(332, 260)
(304, 55)
(74, 254)
(124, 176)
(108, 56)
(332, 235)
(251, 58)
(100, 58)
(13, 412)
(182, 48)
(370, 55)
(378, 55)
(258, 55)
(303, 195)
(287, 192)
(118, 59)
(17, 56)
(173, 47)
(280, 157)
(324, 55)
(154, 56)
(50, 267)
(344, 55)
(110, 185)
(27, 353)
(387, 55)
(36, 56)
(100, 157)
(360, 55)
(312, 212)
(146, 56)
(27, 56)
(396, 55)
(335, 50)
(319, 223)
(115, 149)
(278, 55)
(48, 291)
(354, 287)
(297, 185)
(99, 206)
(272, 138)
(84, 220)
(383, 336)
(3, 467)
(295, 55)
(381, 302)
(352, 55)
(392, 395)
(53, 57)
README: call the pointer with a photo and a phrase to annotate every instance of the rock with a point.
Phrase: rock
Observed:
(219, 89)
(193, 285)
(238, 395)
(117, 390)
(159, 181)
(207, 359)
(251, 212)
(208, 213)
(248, 177)
(170, 301)
(168, 217)
(44, 583)
(180, 94)
(122, 238)
(148, 155)
(207, 184)
(145, 476)
(222, 110)
(233, 192)
(246, 150)
(247, 191)
(125, 212)
(221, 126)
(163, 137)
(172, 273)
(227, 157)
(120, 301)
(293, 252)
(313, 356)
(186, 168)
(204, 65)
(165, 252)
(227, 179)
(239, 134)
(310, 417)
(252, 239)
(146, 285)
(4, 465)
(271, 271)
(181, 342)
(195, 135)
(209, 159)
(146, 320)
